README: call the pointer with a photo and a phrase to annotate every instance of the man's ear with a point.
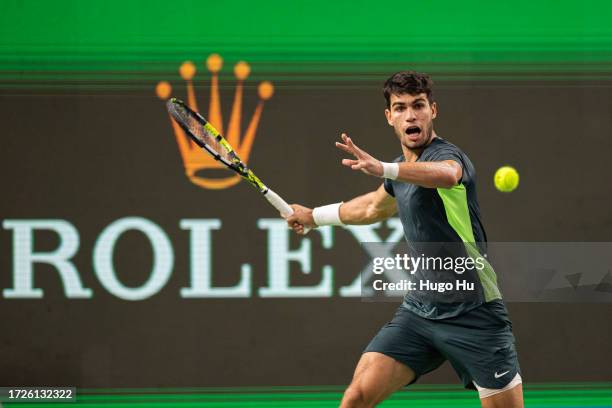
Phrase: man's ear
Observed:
(434, 110)
(388, 116)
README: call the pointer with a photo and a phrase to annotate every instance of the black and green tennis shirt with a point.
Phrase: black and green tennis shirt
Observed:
(444, 216)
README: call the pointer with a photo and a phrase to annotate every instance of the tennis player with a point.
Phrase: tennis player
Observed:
(432, 186)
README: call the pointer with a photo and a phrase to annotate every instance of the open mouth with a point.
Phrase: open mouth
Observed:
(413, 130)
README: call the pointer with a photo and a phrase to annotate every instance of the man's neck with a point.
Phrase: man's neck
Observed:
(412, 155)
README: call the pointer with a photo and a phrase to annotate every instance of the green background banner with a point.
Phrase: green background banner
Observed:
(48, 44)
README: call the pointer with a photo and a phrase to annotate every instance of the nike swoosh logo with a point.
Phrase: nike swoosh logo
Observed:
(502, 374)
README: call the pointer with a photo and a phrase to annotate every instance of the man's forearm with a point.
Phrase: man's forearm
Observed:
(444, 174)
(365, 209)
(361, 211)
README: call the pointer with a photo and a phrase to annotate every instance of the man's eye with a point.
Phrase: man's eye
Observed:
(399, 108)
(419, 106)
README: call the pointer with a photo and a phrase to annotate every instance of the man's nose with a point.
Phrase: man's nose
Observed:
(410, 115)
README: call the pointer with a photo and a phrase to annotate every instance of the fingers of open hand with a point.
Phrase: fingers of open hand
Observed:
(349, 162)
(344, 148)
(349, 143)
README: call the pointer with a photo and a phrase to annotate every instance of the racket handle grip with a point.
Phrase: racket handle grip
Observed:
(278, 203)
(281, 205)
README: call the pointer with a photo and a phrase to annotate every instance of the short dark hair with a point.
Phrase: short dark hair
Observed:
(408, 82)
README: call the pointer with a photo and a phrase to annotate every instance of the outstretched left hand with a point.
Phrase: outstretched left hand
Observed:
(365, 162)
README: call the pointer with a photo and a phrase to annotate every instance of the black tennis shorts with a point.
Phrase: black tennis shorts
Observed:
(479, 344)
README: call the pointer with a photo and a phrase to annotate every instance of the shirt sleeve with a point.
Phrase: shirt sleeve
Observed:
(448, 153)
(388, 185)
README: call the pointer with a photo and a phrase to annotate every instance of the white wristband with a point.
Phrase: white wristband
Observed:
(327, 215)
(390, 170)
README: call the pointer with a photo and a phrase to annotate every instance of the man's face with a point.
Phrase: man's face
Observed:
(412, 118)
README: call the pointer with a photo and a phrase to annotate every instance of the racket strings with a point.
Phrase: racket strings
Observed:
(193, 125)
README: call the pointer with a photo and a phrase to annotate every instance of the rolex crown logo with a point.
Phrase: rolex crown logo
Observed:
(197, 161)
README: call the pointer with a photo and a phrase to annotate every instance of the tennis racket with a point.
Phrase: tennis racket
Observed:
(209, 139)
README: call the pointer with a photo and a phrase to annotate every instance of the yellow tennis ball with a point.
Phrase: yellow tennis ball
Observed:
(506, 179)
